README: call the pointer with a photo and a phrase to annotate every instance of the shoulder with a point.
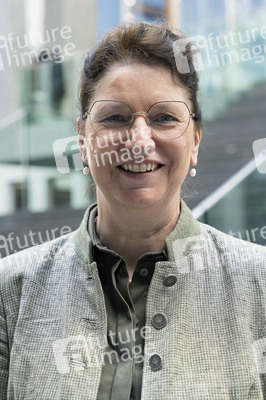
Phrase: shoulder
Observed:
(34, 263)
(29, 258)
(48, 264)
(233, 250)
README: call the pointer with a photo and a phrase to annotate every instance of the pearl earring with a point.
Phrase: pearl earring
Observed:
(192, 172)
(86, 170)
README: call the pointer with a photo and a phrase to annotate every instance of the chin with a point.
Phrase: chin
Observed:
(135, 199)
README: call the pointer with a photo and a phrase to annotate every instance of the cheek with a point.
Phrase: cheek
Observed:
(103, 160)
(100, 174)
(178, 154)
(101, 152)
(186, 145)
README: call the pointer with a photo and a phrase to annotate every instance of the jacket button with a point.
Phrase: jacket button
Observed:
(159, 321)
(170, 280)
(155, 362)
(144, 272)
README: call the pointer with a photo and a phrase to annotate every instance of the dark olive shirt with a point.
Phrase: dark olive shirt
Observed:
(125, 306)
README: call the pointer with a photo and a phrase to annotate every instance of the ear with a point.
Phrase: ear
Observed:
(82, 140)
(195, 147)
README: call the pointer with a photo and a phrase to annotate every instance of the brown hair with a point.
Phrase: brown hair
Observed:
(137, 42)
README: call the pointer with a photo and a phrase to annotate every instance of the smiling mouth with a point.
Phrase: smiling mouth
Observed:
(137, 168)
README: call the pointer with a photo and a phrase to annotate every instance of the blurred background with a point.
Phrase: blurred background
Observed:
(43, 193)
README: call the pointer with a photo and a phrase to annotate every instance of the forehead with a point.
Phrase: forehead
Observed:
(139, 85)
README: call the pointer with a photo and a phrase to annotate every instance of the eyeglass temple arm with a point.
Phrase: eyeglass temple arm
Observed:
(84, 116)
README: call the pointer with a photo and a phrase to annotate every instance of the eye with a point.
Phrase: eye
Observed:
(116, 118)
(164, 118)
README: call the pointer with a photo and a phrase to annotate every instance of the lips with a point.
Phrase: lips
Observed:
(140, 167)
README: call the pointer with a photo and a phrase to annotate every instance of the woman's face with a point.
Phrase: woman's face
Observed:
(139, 86)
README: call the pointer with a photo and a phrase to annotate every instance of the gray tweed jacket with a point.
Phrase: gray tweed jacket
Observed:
(212, 292)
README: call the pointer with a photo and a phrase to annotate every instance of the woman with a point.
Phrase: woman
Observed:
(142, 301)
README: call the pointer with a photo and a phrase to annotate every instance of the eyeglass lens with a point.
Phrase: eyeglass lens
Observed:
(167, 120)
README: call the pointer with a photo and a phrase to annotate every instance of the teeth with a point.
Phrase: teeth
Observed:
(136, 168)
(139, 168)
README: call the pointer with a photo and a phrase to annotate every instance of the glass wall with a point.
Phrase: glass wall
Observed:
(230, 37)
(242, 212)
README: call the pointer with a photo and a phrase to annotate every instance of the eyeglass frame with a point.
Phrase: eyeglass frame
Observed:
(144, 114)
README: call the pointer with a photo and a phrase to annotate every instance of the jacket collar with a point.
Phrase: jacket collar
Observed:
(186, 231)
(187, 227)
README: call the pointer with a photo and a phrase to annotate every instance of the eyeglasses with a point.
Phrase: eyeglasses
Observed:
(167, 119)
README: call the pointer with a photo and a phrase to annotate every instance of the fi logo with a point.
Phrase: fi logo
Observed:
(67, 154)
(188, 252)
(72, 352)
(259, 349)
(197, 46)
(259, 150)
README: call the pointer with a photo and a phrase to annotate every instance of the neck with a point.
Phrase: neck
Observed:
(134, 232)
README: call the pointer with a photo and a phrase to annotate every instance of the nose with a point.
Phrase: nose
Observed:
(140, 133)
